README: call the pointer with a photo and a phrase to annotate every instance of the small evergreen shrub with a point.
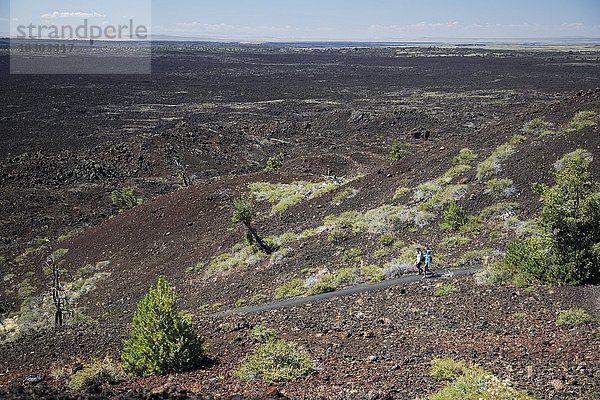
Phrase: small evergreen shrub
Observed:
(352, 256)
(344, 275)
(276, 361)
(274, 163)
(454, 217)
(262, 334)
(96, 373)
(162, 340)
(395, 152)
(573, 317)
(125, 198)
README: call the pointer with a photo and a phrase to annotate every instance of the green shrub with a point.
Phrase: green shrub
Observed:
(292, 288)
(519, 316)
(344, 275)
(465, 157)
(96, 373)
(395, 152)
(573, 317)
(445, 290)
(447, 369)
(125, 198)
(372, 273)
(275, 361)
(536, 124)
(274, 163)
(262, 334)
(584, 119)
(352, 256)
(454, 217)
(387, 239)
(162, 340)
(257, 297)
(325, 285)
(25, 289)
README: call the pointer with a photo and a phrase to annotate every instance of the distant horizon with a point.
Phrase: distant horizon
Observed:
(322, 20)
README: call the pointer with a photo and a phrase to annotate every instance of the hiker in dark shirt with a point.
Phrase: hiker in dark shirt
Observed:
(420, 260)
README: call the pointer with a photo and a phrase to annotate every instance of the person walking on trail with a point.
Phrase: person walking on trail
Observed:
(420, 260)
(427, 259)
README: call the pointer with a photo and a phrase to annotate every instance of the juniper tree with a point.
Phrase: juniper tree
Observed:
(162, 340)
(243, 212)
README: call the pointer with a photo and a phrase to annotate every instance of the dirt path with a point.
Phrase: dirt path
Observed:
(349, 291)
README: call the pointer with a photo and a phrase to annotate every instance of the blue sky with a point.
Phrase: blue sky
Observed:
(325, 19)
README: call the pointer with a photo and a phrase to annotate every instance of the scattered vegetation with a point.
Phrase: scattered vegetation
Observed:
(159, 348)
(566, 249)
(493, 164)
(573, 317)
(471, 383)
(325, 285)
(453, 242)
(37, 313)
(584, 119)
(275, 361)
(344, 275)
(500, 187)
(262, 334)
(125, 198)
(445, 290)
(282, 196)
(401, 191)
(342, 195)
(96, 373)
(274, 163)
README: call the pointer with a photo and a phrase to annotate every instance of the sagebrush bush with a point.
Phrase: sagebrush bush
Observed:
(465, 157)
(573, 317)
(96, 373)
(275, 361)
(162, 340)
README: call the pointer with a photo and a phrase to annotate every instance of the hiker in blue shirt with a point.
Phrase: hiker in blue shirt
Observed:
(427, 259)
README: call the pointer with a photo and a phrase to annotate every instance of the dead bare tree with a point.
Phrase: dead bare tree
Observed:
(243, 212)
(61, 302)
(183, 172)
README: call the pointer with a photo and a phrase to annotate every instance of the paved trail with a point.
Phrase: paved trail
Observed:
(353, 290)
